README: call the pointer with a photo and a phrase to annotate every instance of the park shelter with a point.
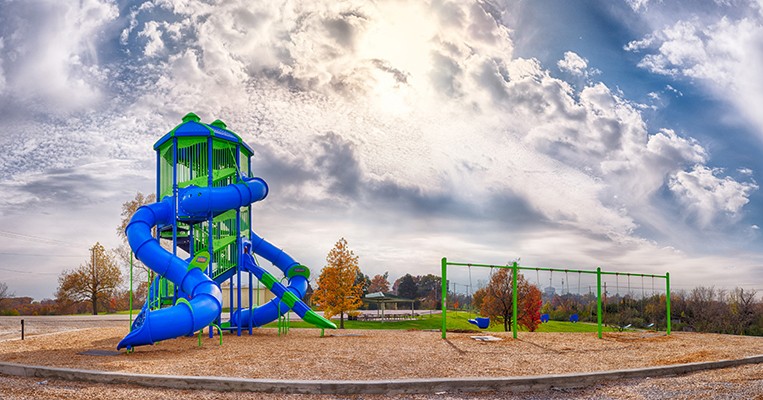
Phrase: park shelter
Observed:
(382, 299)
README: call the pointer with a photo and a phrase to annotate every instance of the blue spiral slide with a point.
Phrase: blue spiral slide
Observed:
(201, 303)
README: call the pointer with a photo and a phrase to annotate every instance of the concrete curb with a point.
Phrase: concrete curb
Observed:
(402, 386)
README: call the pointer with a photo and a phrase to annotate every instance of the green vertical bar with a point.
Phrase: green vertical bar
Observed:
(159, 291)
(514, 296)
(131, 291)
(444, 274)
(667, 300)
(598, 299)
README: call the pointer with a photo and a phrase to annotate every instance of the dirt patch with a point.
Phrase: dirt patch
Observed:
(371, 354)
(696, 356)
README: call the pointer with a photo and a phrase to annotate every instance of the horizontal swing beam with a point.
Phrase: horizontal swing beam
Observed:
(582, 271)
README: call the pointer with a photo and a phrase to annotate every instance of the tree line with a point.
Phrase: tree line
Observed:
(98, 284)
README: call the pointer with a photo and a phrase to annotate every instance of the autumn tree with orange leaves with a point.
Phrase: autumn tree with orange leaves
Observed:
(530, 302)
(337, 292)
(379, 283)
(495, 301)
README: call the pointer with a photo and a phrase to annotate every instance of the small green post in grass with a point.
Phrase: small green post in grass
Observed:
(131, 291)
(514, 297)
(598, 298)
(667, 301)
(444, 282)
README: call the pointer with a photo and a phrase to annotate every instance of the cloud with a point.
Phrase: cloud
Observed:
(2, 72)
(51, 55)
(718, 53)
(72, 188)
(573, 63)
(707, 196)
(638, 5)
(352, 70)
(154, 45)
(745, 171)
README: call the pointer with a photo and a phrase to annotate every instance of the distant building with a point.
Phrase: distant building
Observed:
(548, 293)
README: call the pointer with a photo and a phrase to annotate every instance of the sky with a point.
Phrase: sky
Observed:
(621, 134)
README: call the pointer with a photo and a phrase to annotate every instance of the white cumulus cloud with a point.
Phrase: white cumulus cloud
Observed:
(720, 54)
(573, 63)
(709, 196)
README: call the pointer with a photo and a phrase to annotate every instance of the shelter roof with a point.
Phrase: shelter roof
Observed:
(381, 297)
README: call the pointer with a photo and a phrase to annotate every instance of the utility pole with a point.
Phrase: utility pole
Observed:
(94, 283)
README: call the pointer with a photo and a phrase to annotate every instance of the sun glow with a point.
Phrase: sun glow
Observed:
(399, 43)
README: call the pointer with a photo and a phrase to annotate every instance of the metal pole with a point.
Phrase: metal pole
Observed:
(210, 218)
(95, 278)
(444, 285)
(514, 296)
(598, 299)
(667, 301)
(22, 329)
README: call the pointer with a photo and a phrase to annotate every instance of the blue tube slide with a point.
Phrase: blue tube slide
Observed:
(204, 302)
(275, 308)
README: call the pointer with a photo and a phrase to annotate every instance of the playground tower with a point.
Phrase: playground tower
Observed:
(205, 192)
(203, 155)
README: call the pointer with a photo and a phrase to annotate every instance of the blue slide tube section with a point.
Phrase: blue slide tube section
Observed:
(205, 299)
(269, 311)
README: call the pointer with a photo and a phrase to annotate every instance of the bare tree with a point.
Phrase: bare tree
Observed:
(742, 306)
(123, 251)
(4, 293)
(706, 310)
(129, 208)
(95, 281)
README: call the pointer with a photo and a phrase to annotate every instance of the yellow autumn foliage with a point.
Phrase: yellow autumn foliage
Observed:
(337, 291)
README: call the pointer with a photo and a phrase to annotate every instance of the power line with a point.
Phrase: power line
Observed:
(37, 239)
(47, 255)
(28, 272)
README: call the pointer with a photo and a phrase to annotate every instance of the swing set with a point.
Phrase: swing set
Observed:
(515, 268)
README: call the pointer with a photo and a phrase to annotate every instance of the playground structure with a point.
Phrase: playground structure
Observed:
(515, 268)
(205, 190)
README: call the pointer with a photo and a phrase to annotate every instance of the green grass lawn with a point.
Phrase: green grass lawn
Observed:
(456, 320)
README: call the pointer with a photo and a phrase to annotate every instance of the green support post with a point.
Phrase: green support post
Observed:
(514, 296)
(598, 299)
(131, 291)
(444, 292)
(667, 301)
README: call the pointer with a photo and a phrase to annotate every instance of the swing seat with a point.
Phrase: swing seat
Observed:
(481, 323)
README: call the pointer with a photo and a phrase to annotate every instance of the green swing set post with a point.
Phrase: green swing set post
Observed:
(444, 299)
(514, 296)
(667, 301)
(598, 300)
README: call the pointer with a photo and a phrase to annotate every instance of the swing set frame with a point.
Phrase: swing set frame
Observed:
(516, 268)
